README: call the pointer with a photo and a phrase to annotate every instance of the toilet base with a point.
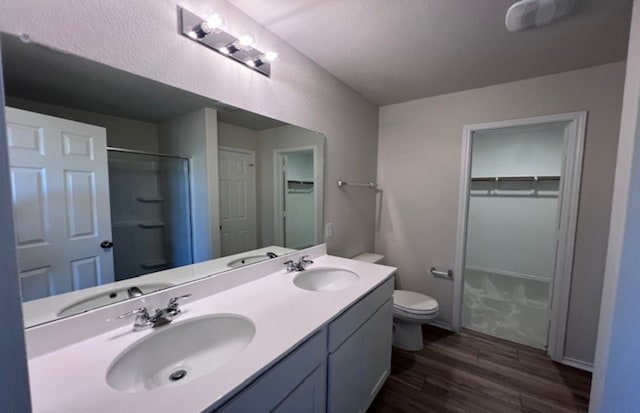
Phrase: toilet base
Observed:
(407, 336)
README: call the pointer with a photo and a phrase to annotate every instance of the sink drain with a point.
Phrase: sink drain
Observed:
(177, 375)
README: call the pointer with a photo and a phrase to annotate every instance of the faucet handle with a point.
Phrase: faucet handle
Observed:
(304, 260)
(142, 312)
(173, 302)
(291, 266)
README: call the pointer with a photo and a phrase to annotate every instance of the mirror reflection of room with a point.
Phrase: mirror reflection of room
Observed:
(145, 184)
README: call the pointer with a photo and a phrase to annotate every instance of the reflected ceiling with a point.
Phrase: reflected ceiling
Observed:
(41, 74)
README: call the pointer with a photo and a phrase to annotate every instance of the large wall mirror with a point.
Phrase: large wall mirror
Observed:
(123, 186)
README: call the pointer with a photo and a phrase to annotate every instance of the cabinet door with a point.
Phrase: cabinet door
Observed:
(378, 335)
(309, 396)
(345, 376)
(360, 366)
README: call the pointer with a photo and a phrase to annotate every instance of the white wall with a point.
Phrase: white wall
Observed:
(121, 132)
(616, 377)
(522, 151)
(195, 135)
(419, 166)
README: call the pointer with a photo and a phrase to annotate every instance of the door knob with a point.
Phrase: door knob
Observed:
(106, 244)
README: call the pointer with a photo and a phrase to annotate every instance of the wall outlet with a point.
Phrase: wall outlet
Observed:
(328, 230)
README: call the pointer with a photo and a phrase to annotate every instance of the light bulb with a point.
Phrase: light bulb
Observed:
(214, 22)
(270, 56)
(245, 41)
(250, 63)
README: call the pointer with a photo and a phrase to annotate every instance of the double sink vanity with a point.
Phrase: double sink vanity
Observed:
(258, 338)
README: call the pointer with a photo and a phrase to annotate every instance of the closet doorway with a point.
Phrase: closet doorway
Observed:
(519, 195)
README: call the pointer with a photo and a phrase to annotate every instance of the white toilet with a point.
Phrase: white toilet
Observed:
(410, 311)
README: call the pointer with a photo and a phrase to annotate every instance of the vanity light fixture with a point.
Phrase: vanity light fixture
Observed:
(213, 24)
(210, 33)
(260, 60)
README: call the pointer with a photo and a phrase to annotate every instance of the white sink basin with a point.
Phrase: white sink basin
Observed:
(249, 259)
(180, 352)
(325, 279)
(107, 297)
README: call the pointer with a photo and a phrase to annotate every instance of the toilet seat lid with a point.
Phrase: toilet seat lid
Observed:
(413, 302)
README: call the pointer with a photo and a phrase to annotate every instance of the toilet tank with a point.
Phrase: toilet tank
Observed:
(370, 257)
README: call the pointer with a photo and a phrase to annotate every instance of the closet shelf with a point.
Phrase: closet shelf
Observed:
(515, 178)
(150, 199)
(149, 225)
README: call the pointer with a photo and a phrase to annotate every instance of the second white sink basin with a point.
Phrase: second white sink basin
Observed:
(325, 279)
(180, 352)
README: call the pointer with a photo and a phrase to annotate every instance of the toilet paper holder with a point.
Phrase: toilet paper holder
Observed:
(441, 274)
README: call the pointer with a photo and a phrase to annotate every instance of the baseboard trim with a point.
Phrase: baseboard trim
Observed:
(579, 364)
(441, 324)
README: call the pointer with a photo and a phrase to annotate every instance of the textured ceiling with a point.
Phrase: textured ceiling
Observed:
(397, 50)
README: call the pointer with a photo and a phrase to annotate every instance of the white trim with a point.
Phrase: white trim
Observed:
(239, 150)
(569, 196)
(579, 364)
(318, 196)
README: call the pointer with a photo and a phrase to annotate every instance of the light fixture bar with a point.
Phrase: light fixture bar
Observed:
(236, 48)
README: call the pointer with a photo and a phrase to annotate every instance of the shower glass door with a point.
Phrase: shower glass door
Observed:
(511, 239)
(150, 212)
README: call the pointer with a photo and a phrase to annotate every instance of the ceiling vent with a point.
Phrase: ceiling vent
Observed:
(529, 14)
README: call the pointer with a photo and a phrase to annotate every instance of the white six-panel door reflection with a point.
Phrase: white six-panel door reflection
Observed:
(60, 195)
(238, 229)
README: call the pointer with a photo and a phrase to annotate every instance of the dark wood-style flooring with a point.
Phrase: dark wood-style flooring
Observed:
(472, 372)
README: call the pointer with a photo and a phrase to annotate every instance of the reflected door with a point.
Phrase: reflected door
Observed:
(60, 194)
(237, 201)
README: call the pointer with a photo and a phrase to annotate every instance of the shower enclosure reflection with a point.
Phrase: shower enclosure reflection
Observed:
(150, 212)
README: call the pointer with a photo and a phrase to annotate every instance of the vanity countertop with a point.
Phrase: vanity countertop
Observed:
(72, 379)
(47, 309)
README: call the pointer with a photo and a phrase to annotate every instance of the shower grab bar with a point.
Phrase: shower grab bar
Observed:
(441, 274)
(371, 185)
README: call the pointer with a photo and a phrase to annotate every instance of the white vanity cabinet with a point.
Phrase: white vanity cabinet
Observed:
(339, 369)
(295, 384)
(360, 352)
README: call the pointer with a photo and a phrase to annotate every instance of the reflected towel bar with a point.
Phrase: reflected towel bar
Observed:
(371, 185)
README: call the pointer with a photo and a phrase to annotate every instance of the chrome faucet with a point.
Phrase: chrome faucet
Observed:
(160, 316)
(301, 265)
(134, 292)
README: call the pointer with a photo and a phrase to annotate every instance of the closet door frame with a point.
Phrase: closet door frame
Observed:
(568, 216)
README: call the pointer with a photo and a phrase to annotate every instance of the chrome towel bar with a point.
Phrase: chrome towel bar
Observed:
(371, 185)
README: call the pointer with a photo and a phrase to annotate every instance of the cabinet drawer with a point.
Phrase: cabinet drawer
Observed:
(342, 327)
(280, 380)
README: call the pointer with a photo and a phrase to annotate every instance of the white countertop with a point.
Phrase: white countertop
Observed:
(72, 379)
(47, 309)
